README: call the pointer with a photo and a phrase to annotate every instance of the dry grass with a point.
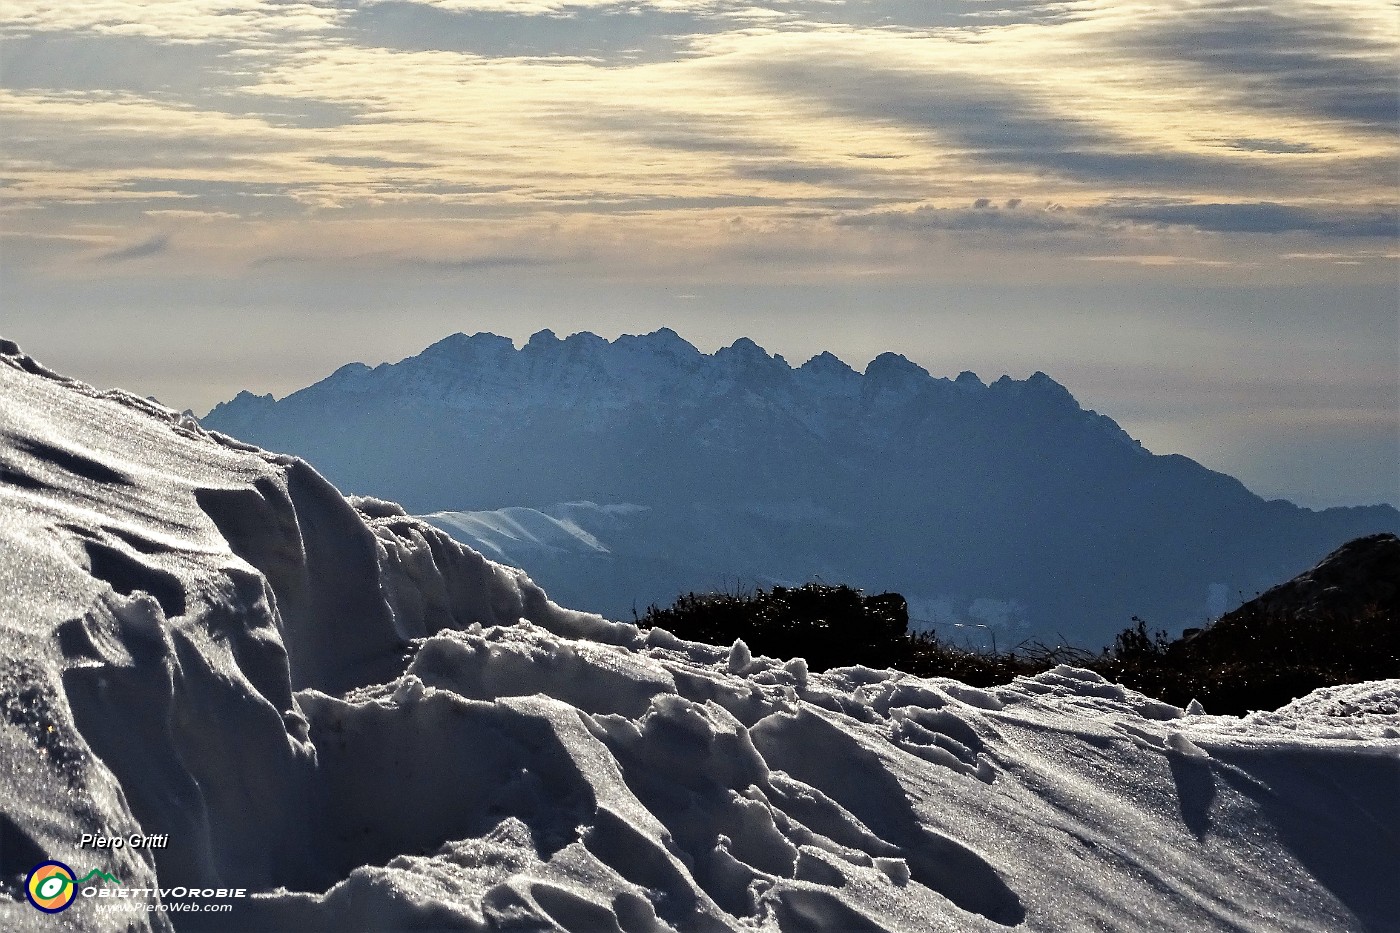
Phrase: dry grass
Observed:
(1248, 660)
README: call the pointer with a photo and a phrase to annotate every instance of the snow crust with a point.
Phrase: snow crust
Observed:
(373, 727)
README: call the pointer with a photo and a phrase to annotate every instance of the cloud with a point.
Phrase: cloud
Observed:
(981, 216)
(85, 61)
(994, 122)
(797, 171)
(857, 126)
(390, 260)
(1350, 257)
(213, 74)
(371, 162)
(1157, 261)
(153, 246)
(1275, 146)
(664, 128)
(476, 263)
(187, 21)
(615, 33)
(1259, 217)
(1334, 60)
(196, 216)
(923, 16)
(1232, 218)
(238, 197)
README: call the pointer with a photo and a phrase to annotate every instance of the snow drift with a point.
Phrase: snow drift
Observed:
(372, 727)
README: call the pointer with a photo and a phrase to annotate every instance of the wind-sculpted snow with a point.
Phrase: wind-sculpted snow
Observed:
(371, 727)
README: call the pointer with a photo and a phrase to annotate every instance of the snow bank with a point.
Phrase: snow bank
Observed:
(372, 727)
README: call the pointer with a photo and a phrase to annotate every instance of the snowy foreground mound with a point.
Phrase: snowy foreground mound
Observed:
(371, 727)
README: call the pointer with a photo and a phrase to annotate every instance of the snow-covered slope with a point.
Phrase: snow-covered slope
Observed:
(372, 727)
(619, 558)
(513, 535)
(1003, 503)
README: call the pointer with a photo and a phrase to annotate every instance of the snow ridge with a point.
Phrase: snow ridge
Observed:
(373, 727)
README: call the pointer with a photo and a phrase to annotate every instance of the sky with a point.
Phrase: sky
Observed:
(1184, 211)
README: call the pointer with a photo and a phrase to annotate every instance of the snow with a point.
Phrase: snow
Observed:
(510, 534)
(372, 727)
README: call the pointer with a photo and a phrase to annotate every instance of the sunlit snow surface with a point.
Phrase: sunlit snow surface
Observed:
(374, 728)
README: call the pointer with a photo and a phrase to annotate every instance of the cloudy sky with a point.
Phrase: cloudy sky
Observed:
(1185, 211)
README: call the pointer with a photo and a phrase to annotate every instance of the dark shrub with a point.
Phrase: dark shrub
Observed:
(1338, 623)
(830, 626)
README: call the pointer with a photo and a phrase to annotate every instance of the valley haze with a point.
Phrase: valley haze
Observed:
(621, 473)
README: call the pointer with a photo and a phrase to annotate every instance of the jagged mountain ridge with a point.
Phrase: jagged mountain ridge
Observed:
(657, 386)
(1008, 496)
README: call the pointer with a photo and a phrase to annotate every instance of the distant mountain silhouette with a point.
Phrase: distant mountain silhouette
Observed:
(623, 472)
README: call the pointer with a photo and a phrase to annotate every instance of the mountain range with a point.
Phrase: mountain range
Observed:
(620, 473)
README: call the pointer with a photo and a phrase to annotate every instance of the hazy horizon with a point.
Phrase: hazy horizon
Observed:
(1186, 213)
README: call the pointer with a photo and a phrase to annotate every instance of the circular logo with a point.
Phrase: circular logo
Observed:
(50, 887)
